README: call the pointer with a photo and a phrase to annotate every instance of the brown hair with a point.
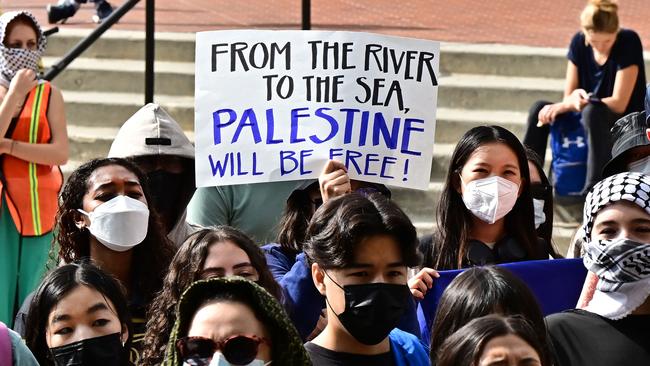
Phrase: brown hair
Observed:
(600, 16)
(21, 19)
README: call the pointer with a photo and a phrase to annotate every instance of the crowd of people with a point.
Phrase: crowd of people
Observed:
(132, 265)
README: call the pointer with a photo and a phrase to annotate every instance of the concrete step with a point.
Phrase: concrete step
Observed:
(127, 76)
(120, 44)
(490, 92)
(488, 59)
(452, 123)
(107, 109)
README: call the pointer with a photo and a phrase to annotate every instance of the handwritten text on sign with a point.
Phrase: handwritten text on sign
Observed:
(276, 105)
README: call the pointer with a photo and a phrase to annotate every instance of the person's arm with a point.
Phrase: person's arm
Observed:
(22, 83)
(575, 99)
(53, 153)
(623, 88)
(210, 206)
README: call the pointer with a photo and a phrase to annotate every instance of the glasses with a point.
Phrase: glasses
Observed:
(539, 190)
(238, 350)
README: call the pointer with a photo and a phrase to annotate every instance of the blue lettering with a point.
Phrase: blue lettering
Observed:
(363, 131)
(407, 135)
(295, 114)
(255, 172)
(369, 159)
(219, 167)
(239, 171)
(270, 120)
(217, 125)
(303, 155)
(333, 124)
(248, 115)
(335, 152)
(349, 120)
(284, 155)
(380, 126)
(387, 160)
(351, 158)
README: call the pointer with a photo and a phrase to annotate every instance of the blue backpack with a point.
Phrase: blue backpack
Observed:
(569, 148)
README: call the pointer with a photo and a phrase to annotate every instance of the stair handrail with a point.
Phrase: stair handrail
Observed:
(107, 23)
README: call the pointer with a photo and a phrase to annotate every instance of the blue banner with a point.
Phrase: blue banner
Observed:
(555, 283)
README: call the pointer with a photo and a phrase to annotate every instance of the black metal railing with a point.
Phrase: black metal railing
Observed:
(83, 45)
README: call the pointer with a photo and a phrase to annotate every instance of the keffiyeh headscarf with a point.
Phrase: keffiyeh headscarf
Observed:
(14, 59)
(622, 265)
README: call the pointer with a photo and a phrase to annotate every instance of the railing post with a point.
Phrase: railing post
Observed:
(306, 14)
(89, 40)
(149, 52)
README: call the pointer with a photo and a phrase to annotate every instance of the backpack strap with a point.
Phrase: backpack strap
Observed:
(6, 353)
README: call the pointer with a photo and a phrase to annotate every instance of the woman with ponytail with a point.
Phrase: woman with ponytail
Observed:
(605, 79)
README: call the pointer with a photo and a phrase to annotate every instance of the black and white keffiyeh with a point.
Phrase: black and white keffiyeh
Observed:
(14, 59)
(623, 265)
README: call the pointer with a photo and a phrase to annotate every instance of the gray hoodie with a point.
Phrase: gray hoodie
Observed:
(151, 131)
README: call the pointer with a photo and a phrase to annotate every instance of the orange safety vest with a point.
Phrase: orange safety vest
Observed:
(31, 190)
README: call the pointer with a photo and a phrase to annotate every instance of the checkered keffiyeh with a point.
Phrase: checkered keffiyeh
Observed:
(623, 265)
(14, 59)
(617, 262)
(632, 187)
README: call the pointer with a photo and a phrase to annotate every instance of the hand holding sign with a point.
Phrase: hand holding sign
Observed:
(334, 180)
(278, 110)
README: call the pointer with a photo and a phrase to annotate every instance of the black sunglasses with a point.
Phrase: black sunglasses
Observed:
(238, 350)
(539, 190)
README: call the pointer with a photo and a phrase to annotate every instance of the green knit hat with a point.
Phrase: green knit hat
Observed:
(286, 346)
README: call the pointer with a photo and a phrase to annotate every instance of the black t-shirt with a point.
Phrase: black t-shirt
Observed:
(626, 51)
(583, 338)
(324, 357)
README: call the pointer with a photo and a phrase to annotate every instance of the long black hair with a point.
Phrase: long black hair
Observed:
(464, 348)
(57, 285)
(481, 291)
(185, 269)
(150, 258)
(454, 220)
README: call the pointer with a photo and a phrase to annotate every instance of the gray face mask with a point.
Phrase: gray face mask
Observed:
(540, 216)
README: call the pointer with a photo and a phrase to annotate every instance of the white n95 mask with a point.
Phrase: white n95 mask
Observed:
(490, 198)
(120, 223)
(540, 215)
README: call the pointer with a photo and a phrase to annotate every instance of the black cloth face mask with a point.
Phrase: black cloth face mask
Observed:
(165, 189)
(99, 351)
(372, 310)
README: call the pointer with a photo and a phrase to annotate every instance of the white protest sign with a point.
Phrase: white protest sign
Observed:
(276, 105)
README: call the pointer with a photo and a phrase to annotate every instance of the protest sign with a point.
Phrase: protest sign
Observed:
(276, 105)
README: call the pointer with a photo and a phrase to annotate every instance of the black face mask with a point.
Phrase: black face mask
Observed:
(99, 351)
(165, 191)
(372, 310)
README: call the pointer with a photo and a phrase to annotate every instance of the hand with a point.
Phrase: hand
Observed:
(334, 180)
(23, 83)
(549, 113)
(578, 99)
(422, 282)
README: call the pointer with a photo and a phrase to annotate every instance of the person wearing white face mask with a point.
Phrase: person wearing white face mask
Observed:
(612, 329)
(485, 213)
(104, 215)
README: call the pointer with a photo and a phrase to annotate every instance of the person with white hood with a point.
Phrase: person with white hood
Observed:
(613, 328)
(155, 142)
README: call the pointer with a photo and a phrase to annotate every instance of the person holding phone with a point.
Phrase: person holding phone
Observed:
(605, 79)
